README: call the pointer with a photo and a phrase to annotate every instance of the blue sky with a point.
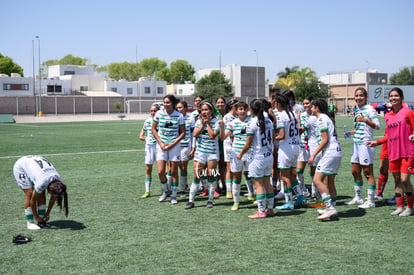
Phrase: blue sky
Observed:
(325, 35)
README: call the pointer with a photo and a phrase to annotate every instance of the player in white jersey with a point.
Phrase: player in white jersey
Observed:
(330, 161)
(207, 130)
(186, 146)
(276, 182)
(237, 129)
(289, 142)
(221, 108)
(227, 146)
(168, 128)
(304, 152)
(35, 174)
(309, 125)
(150, 149)
(365, 121)
(260, 135)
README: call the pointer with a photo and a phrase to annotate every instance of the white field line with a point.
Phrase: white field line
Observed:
(81, 153)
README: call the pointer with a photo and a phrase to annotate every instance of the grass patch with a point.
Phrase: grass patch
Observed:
(111, 230)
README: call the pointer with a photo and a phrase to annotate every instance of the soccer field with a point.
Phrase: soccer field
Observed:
(111, 230)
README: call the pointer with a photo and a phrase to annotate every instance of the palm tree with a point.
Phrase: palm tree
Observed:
(287, 71)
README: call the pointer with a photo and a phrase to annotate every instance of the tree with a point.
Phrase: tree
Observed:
(311, 87)
(124, 70)
(68, 59)
(404, 77)
(287, 71)
(303, 81)
(7, 66)
(213, 86)
(151, 66)
(181, 71)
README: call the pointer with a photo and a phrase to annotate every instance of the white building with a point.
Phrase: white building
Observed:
(187, 89)
(61, 70)
(145, 87)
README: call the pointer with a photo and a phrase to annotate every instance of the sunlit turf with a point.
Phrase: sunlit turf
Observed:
(111, 230)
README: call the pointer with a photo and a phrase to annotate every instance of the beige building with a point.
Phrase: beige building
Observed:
(343, 85)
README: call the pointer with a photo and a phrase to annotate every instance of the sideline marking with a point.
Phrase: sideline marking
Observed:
(81, 153)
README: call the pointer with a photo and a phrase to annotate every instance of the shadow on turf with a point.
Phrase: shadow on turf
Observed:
(67, 224)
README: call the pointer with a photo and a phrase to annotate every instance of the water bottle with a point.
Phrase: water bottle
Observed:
(347, 134)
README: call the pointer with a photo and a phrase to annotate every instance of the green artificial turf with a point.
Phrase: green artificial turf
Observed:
(111, 230)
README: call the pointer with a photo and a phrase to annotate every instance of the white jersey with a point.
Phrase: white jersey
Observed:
(291, 127)
(38, 170)
(311, 129)
(333, 148)
(262, 145)
(205, 144)
(363, 132)
(227, 119)
(168, 125)
(147, 129)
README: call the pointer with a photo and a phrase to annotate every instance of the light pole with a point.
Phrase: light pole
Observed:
(34, 81)
(40, 79)
(257, 74)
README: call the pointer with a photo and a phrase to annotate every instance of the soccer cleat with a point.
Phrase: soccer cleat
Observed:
(407, 212)
(189, 205)
(146, 195)
(32, 226)
(317, 204)
(279, 196)
(235, 207)
(229, 195)
(209, 204)
(286, 206)
(174, 201)
(164, 196)
(20, 239)
(300, 201)
(269, 213)
(355, 200)
(205, 193)
(182, 195)
(43, 225)
(329, 213)
(257, 215)
(306, 193)
(367, 204)
(216, 194)
(379, 197)
(321, 211)
(392, 201)
(251, 198)
(397, 211)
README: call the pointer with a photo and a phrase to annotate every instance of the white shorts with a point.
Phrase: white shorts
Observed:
(260, 168)
(304, 155)
(204, 158)
(363, 154)
(238, 165)
(22, 179)
(287, 160)
(185, 153)
(172, 154)
(227, 152)
(150, 153)
(329, 165)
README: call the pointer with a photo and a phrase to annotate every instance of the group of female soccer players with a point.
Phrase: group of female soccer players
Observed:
(273, 139)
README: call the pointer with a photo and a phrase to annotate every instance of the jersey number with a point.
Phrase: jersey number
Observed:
(40, 162)
(293, 130)
(266, 138)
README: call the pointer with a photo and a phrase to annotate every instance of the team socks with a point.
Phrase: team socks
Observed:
(29, 214)
(399, 199)
(261, 199)
(169, 178)
(41, 210)
(358, 189)
(371, 192)
(212, 184)
(236, 191)
(327, 200)
(174, 188)
(250, 188)
(410, 199)
(270, 198)
(382, 181)
(164, 186)
(288, 194)
(148, 184)
(296, 188)
(228, 185)
(193, 189)
(183, 181)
